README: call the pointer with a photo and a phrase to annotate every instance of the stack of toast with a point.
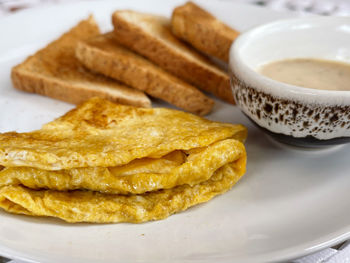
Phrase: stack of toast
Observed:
(144, 54)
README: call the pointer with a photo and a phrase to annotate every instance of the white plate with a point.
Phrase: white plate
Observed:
(289, 203)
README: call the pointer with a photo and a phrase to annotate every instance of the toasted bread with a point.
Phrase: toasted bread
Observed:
(151, 37)
(55, 72)
(104, 55)
(202, 30)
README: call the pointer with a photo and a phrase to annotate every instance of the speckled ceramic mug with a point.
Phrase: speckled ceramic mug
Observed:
(291, 114)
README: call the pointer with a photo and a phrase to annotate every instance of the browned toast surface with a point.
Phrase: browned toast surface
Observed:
(104, 55)
(202, 30)
(151, 37)
(54, 71)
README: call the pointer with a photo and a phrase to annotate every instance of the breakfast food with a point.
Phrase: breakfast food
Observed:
(202, 30)
(55, 72)
(104, 55)
(151, 36)
(136, 177)
(96, 207)
(104, 162)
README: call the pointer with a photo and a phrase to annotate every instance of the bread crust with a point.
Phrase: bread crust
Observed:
(151, 37)
(103, 55)
(72, 93)
(55, 72)
(202, 30)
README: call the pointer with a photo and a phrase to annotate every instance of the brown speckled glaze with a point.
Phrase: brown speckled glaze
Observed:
(306, 122)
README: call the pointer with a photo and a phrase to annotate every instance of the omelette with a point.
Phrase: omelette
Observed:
(104, 163)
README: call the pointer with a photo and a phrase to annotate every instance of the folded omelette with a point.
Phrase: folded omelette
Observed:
(104, 163)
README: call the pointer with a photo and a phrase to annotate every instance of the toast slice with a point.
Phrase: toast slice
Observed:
(151, 36)
(202, 30)
(55, 72)
(104, 55)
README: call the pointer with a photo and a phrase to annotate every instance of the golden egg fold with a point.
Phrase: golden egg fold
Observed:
(103, 134)
(96, 207)
(139, 176)
(106, 163)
